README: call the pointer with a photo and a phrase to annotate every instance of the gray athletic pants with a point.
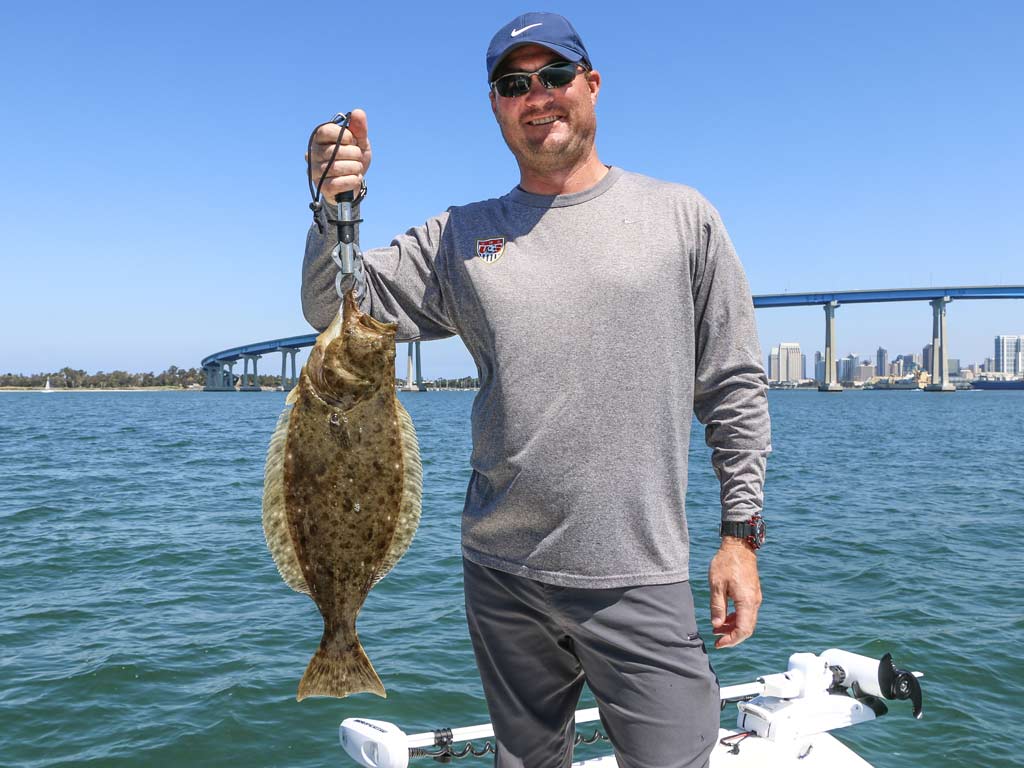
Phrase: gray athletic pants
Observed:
(637, 648)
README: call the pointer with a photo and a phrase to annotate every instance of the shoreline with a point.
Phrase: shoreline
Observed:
(100, 389)
(197, 389)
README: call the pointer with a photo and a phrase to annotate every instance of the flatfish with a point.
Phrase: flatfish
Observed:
(342, 488)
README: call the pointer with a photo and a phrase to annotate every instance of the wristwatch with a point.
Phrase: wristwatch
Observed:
(752, 530)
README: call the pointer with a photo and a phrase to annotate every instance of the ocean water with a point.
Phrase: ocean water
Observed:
(142, 621)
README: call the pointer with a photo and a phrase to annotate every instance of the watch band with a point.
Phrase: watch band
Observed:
(752, 530)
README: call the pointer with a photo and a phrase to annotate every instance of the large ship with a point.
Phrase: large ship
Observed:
(906, 382)
(998, 384)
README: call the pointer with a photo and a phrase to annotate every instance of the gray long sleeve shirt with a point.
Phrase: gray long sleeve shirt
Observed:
(598, 321)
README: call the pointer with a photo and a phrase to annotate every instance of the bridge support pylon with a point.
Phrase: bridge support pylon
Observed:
(250, 384)
(216, 378)
(940, 358)
(830, 384)
(413, 372)
(286, 382)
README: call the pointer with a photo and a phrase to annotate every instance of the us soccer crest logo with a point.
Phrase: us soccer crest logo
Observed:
(490, 250)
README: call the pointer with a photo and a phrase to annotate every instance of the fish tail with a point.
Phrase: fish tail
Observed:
(339, 670)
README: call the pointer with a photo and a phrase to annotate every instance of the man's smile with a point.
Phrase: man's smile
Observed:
(543, 120)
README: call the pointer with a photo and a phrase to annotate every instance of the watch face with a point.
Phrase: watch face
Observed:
(758, 530)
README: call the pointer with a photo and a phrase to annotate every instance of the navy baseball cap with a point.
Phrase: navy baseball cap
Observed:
(547, 29)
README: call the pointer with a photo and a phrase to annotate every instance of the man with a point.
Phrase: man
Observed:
(602, 308)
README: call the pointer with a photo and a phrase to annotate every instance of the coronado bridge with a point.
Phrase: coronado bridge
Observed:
(220, 375)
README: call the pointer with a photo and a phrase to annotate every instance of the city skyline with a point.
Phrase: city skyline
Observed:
(829, 147)
(1008, 358)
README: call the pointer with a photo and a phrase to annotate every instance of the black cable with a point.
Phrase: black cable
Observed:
(733, 741)
(342, 121)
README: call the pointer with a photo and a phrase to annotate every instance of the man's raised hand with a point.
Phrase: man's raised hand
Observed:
(351, 163)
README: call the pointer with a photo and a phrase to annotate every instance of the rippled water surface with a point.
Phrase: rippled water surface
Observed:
(142, 621)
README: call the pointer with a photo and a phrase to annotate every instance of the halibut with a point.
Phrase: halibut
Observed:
(342, 489)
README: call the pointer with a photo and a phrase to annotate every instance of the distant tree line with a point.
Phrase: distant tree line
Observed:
(466, 382)
(70, 378)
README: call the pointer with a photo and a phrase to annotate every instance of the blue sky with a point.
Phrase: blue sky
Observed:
(153, 202)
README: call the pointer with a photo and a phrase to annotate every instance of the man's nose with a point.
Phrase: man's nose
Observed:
(536, 89)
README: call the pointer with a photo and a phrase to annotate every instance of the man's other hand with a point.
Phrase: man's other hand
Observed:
(352, 162)
(733, 576)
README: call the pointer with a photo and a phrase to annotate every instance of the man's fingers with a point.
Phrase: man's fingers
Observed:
(339, 159)
(718, 606)
(725, 633)
(738, 626)
(733, 576)
(326, 137)
(333, 188)
(357, 127)
(339, 168)
(729, 633)
(327, 134)
(727, 625)
(728, 640)
(355, 134)
(322, 153)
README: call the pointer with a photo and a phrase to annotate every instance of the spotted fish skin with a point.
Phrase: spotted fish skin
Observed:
(342, 490)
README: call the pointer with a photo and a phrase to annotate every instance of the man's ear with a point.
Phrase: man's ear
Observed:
(594, 83)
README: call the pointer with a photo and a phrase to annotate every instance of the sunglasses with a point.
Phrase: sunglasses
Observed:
(555, 75)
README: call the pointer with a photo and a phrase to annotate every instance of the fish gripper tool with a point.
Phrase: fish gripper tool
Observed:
(345, 252)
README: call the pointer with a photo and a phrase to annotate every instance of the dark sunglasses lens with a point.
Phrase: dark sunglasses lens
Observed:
(551, 76)
(557, 75)
(512, 85)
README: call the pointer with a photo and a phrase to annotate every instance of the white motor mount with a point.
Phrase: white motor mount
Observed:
(822, 693)
(374, 743)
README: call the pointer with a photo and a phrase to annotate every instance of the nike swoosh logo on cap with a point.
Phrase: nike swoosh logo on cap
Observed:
(518, 32)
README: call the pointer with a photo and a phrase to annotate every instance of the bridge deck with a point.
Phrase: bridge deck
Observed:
(763, 301)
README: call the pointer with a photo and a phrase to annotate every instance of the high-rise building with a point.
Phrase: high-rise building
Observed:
(896, 367)
(848, 367)
(1009, 354)
(785, 363)
(789, 361)
(864, 371)
(803, 366)
(881, 361)
(926, 358)
(953, 366)
(819, 368)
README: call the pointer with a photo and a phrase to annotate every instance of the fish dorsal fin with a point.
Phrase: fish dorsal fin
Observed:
(275, 520)
(412, 494)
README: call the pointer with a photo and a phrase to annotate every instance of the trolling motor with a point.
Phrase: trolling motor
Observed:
(781, 716)
(821, 693)
(868, 678)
